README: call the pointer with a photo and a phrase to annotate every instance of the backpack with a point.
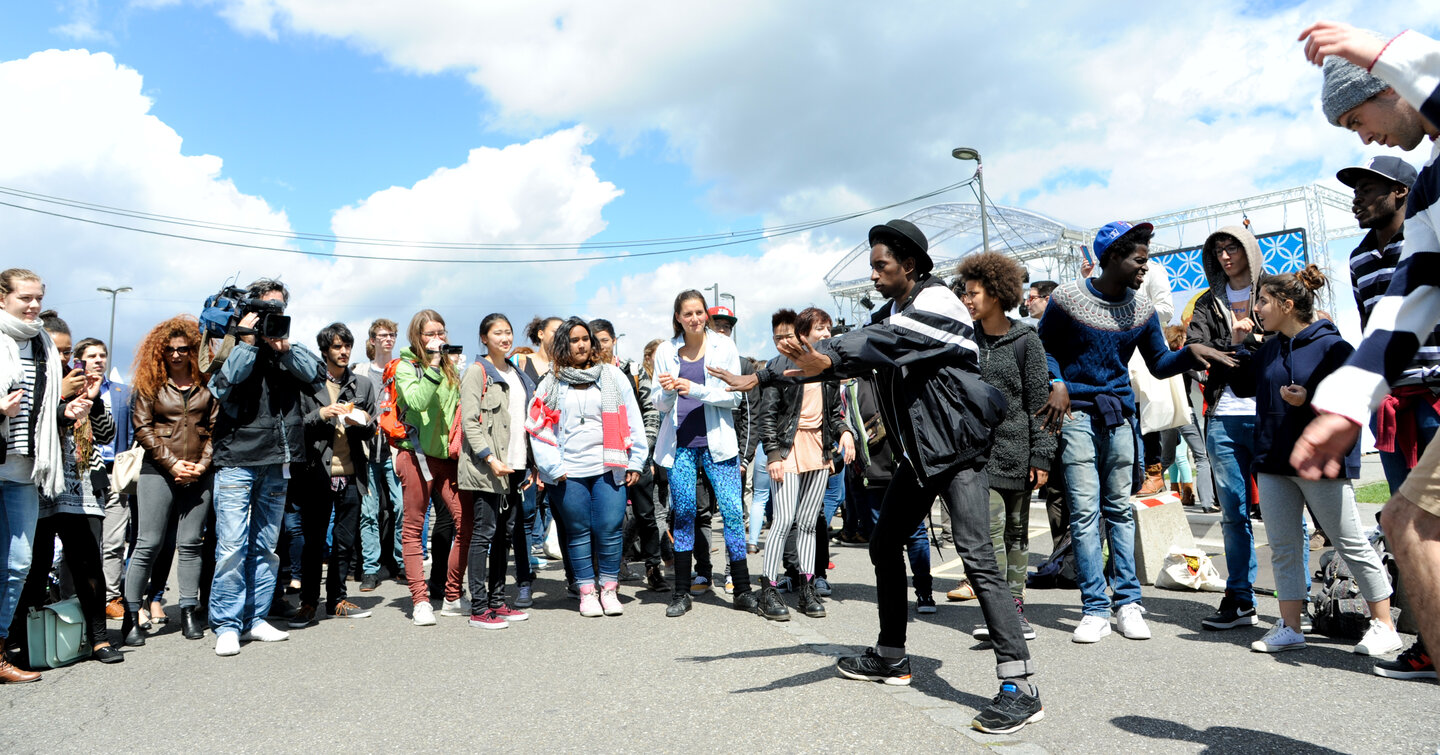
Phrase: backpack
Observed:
(1057, 571)
(457, 434)
(392, 425)
(1337, 608)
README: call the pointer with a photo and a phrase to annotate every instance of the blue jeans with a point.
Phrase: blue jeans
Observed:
(1230, 442)
(834, 494)
(759, 498)
(1099, 467)
(593, 514)
(1393, 462)
(19, 507)
(377, 475)
(249, 504)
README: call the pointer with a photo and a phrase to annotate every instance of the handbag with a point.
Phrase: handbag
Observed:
(126, 471)
(55, 635)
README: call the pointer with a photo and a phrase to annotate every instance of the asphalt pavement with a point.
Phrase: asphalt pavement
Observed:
(717, 680)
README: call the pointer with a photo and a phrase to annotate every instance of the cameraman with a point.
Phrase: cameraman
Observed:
(258, 435)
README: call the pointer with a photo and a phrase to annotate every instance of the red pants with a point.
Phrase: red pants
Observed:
(416, 493)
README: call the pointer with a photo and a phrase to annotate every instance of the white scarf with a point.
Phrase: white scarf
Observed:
(49, 472)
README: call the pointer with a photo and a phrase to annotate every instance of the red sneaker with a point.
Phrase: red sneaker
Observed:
(489, 620)
(510, 614)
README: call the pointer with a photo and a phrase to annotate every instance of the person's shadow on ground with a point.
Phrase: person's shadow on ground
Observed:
(1217, 739)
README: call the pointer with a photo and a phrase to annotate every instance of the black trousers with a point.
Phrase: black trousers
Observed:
(642, 517)
(498, 517)
(966, 493)
(704, 515)
(80, 537)
(442, 534)
(340, 496)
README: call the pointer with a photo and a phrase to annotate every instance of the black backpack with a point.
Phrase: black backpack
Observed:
(1337, 609)
(1058, 571)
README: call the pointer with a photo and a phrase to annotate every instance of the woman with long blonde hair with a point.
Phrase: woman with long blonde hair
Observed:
(427, 390)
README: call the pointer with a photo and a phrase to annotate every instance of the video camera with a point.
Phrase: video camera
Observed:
(224, 310)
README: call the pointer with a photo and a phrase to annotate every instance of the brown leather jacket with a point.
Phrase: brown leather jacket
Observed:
(176, 425)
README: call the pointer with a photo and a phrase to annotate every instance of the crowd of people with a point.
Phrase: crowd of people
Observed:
(271, 467)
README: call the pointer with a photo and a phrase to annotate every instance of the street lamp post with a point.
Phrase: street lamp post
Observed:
(970, 153)
(114, 294)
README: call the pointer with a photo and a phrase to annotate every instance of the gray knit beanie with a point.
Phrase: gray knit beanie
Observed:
(1347, 86)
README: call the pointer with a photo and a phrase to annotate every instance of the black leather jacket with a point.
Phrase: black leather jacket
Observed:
(778, 417)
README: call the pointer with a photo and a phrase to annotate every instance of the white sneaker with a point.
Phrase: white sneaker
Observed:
(1091, 629)
(1378, 640)
(263, 632)
(453, 608)
(424, 615)
(227, 643)
(1279, 639)
(1132, 622)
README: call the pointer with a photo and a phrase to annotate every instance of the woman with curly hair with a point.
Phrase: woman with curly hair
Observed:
(173, 415)
(1012, 359)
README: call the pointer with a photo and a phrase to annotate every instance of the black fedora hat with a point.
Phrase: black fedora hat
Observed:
(902, 236)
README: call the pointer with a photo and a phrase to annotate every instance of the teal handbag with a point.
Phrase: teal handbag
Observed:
(56, 635)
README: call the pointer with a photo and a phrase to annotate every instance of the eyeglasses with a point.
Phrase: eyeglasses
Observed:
(1229, 250)
(1035, 297)
(433, 334)
(384, 336)
(181, 350)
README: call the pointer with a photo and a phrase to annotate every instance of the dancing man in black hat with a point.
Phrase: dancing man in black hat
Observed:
(940, 415)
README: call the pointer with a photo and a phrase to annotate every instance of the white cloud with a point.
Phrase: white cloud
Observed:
(88, 134)
(786, 274)
(778, 105)
(84, 22)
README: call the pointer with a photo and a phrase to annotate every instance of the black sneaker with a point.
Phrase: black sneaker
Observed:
(1009, 710)
(679, 605)
(1411, 664)
(1230, 615)
(655, 579)
(924, 603)
(771, 606)
(870, 667)
(369, 582)
(747, 601)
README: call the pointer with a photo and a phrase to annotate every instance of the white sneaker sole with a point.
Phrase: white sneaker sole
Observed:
(484, 625)
(894, 681)
(1088, 640)
(1261, 647)
(1038, 717)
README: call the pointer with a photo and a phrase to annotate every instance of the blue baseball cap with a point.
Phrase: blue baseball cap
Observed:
(1112, 231)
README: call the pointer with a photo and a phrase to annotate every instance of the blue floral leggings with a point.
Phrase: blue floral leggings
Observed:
(724, 479)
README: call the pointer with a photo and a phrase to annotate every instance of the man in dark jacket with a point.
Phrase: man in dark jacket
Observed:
(939, 416)
(339, 419)
(259, 435)
(1234, 266)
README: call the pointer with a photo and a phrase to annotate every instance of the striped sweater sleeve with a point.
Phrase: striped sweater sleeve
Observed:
(1410, 307)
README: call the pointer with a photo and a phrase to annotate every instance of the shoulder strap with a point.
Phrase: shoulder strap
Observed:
(1019, 346)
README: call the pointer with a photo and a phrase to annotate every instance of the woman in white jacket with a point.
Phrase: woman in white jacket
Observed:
(697, 435)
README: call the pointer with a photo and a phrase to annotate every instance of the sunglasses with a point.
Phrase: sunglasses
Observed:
(181, 350)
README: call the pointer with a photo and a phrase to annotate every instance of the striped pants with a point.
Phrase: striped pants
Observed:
(795, 500)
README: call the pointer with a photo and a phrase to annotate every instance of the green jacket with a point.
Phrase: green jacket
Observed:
(427, 403)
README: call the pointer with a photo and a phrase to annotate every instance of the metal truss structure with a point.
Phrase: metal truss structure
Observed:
(1053, 250)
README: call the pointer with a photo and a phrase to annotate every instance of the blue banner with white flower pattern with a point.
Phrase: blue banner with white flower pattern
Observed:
(1284, 252)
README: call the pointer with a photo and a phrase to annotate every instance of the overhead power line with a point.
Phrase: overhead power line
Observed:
(678, 245)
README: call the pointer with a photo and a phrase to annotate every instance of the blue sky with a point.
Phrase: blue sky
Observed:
(562, 121)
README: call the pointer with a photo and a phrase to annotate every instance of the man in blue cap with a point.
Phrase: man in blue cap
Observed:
(1090, 330)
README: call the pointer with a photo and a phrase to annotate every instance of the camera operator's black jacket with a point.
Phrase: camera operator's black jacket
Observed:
(778, 417)
(262, 410)
(320, 432)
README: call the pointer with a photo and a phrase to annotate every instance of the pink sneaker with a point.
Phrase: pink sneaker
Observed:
(510, 614)
(610, 601)
(489, 620)
(589, 602)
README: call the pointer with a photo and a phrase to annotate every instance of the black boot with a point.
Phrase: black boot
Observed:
(130, 629)
(771, 607)
(809, 603)
(656, 579)
(190, 625)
